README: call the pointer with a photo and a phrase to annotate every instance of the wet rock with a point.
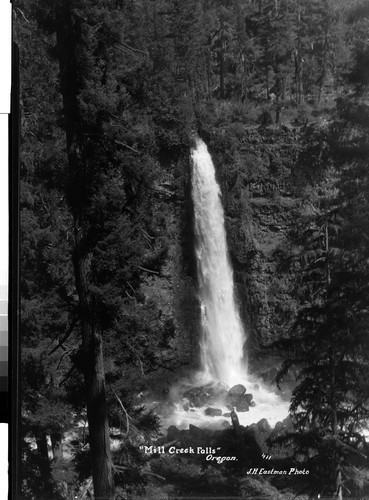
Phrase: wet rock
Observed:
(222, 386)
(263, 426)
(194, 431)
(236, 395)
(278, 426)
(227, 415)
(221, 395)
(199, 396)
(173, 433)
(220, 391)
(280, 429)
(200, 401)
(255, 436)
(248, 397)
(213, 412)
(190, 393)
(242, 406)
(256, 387)
(238, 390)
(252, 404)
(186, 407)
(240, 402)
(209, 394)
(233, 399)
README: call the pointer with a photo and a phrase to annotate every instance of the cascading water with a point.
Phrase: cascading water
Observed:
(223, 336)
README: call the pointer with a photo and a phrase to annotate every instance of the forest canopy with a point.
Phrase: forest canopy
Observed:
(112, 94)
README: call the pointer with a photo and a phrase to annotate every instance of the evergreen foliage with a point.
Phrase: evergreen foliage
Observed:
(111, 93)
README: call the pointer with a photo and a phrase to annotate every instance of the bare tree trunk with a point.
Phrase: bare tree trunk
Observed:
(283, 88)
(324, 67)
(57, 450)
(208, 73)
(221, 60)
(339, 484)
(69, 44)
(242, 77)
(298, 65)
(280, 84)
(221, 73)
(338, 471)
(97, 411)
(299, 78)
(57, 445)
(328, 264)
(44, 464)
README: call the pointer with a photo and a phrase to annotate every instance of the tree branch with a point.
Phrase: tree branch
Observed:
(67, 375)
(126, 146)
(148, 270)
(139, 359)
(66, 336)
(21, 12)
(132, 49)
(125, 411)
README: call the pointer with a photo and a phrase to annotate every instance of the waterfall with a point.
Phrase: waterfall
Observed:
(222, 332)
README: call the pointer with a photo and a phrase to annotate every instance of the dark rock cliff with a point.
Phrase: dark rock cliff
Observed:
(173, 290)
(257, 173)
(257, 181)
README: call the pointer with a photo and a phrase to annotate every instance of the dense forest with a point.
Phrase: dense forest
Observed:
(112, 93)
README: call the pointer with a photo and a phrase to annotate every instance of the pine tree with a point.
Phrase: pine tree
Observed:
(329, 341)
(328, 344)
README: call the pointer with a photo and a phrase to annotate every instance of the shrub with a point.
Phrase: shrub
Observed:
(265, 118)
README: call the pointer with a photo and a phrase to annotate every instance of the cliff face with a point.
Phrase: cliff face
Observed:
(173, 289)
(260, 205)
(257, 173)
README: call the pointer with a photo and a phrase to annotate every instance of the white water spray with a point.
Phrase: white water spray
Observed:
(223, 335)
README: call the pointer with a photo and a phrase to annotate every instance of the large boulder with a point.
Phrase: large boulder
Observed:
(248, 397)
(213, 412)
(240, 402)
(263, 426)
(242, 406)
(235, 395)
(219, 392)
(237, 390)
(198, 396)
(281, 428)
(256, 438)
(194, 431)
(173, 433)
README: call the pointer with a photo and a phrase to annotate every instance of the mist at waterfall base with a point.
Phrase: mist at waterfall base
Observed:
(223, 362)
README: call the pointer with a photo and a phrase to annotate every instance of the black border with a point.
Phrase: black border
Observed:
(13, 310)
